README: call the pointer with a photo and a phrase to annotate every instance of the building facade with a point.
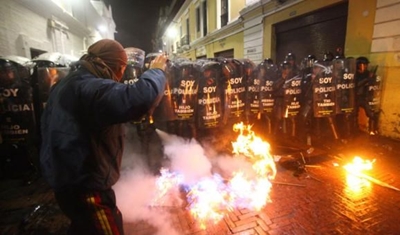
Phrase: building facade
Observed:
(259, 29)
(30, 28)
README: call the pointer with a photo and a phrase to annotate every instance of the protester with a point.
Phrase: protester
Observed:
(83, 134)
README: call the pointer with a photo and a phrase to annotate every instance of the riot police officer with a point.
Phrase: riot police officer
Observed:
(364, 79)
(267, 74)
(291, 59)
(285, 72)
(306, 110)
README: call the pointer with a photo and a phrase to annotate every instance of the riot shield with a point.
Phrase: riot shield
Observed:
(235, 89)
(267, 75)
(209, 106)
(343, 71)
(18, 152)
(374, 91)
(149, 57)
(253, 106)
(249, 76)
(184, 91)
(17, 120)
(324, 90)
(292, 96)
(164, 112)
(48, 77)
(134, 68)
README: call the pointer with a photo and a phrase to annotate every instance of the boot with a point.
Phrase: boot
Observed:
(371, 126)
(376, 121)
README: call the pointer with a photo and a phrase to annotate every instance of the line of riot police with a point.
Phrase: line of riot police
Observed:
(204, 98)
(208, 96)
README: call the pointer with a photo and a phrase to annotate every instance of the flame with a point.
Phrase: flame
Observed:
(212, 197)
(167, 181)
(254, 147)
(356, 179)
(359, 165)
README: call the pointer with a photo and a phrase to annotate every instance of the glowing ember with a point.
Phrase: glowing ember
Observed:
(212, 197)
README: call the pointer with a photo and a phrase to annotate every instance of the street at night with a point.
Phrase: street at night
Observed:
(318, 197)
(199, 117)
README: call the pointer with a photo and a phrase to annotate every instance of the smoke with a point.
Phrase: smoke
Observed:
(136, 191)
(227, 165)
(187, 157)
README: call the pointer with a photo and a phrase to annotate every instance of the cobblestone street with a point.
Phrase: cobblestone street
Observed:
(319, 199)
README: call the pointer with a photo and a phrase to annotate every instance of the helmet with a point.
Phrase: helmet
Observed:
(362, 60)
(269, 61)
(290, 57)
(8, 72)
(310, 60)
(328, 56)
(285, 65)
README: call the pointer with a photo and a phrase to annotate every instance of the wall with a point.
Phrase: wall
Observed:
(234, 42)
(21, 29)
(26, 25)
(385, 52)
(291, 10)
(235, 7)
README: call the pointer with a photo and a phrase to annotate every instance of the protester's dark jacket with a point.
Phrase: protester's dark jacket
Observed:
(82, 135)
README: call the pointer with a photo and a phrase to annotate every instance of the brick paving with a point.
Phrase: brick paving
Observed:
(316, 201)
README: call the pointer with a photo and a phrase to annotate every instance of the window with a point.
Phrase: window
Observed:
(224, 12)
(204, 17)
(198, 20)
(187, 31)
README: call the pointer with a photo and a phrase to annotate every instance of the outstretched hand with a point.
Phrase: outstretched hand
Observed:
(160, 62)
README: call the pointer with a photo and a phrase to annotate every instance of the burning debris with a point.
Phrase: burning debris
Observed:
(211, 196)
(357, 173)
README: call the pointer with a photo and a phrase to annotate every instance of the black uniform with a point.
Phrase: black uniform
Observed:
(365, 81)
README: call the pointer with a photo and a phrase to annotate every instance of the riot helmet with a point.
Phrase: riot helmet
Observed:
(8, 72)
(285, 69)
(269, 61)
(291, 58)
(339, 53)
(328, 56)
(285, 65)
(54, 59)
(310, 60)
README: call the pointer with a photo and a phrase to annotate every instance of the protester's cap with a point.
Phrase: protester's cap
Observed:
(110, 51)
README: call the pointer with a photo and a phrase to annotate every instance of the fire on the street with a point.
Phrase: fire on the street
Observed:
(211, 198)
(355, 178)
